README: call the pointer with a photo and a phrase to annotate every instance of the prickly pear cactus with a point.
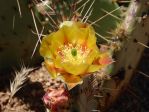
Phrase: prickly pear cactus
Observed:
(68, 21)
(16, 40)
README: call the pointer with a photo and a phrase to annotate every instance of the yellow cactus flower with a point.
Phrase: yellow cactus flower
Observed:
(72, 53)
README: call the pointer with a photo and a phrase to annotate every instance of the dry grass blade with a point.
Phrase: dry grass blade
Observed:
(19, 80)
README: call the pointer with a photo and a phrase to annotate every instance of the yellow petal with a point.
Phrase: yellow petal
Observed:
(50, 44)
(57, 40)
(91, 40)
(75, 35)
(57, 62)
(92, 55)
(72, 80)
(44, 49)
(69, 78)
(51, 69)
(75, 69)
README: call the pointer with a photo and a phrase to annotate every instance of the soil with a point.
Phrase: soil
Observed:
(29, 97)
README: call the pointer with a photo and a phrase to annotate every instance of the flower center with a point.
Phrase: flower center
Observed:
(73, 54)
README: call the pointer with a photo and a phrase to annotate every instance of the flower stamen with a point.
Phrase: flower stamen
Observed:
(73, 54)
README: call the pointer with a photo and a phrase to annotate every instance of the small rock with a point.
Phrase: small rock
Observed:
(41, 74)
(40, 80)
(48, 84)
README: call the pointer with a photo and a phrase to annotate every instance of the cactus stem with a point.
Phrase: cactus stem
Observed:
(131, 14)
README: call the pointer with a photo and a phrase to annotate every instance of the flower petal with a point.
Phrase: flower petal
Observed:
(71, 80)
(91, 40)
(92, 55)
(75, 69)
(57, 40)
(105, 59)
(50, 44)
(50, 67)
(44, 49)
(75, 35)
